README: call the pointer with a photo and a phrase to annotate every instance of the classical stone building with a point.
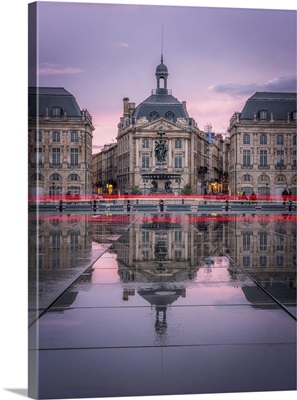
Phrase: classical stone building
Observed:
(60, 143)
(160, 148)
(263, 145)
(105, 170)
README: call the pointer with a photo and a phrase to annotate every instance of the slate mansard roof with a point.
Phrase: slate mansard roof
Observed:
(277, 103)
(163, 105)
(43, 99)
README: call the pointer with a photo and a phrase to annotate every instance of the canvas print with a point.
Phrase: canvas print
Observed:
(162, 182)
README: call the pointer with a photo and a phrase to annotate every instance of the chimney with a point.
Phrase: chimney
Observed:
(131, 108)
(184, 103)
(126, 106)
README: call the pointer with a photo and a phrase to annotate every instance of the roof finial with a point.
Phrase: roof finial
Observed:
(162, 47)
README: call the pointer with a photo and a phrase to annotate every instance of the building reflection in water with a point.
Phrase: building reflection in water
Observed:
(163, 256)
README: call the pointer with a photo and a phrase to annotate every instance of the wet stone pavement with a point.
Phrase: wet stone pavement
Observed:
(134, 305)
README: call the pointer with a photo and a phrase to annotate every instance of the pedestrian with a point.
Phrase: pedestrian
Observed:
(285, 196)
(253, 197)
(289, 194)
(244, 198)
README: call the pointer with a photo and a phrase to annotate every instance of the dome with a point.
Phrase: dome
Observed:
(161, 103)
(162, 69)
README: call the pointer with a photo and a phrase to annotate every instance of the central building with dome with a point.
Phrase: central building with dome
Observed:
(160, 148)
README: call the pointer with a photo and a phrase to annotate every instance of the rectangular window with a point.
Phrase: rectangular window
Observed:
(56, 240)
(74, 156)
(56, 137)
(263, 139)
(279, 242)
(37, 136)
(38, 155)
(246, 241)
(263, 261)
(263, 158)
(74, 243)
(56, 157)
(178, 144)
(178, 236)
(279, 139)
(246, 139)
(145, 236)
(177, 255)
(145, 161)
(246, 261)
(145, 143)
(263, 241)
(74, 137)
(246, 158)
(279, 261)
(294, 158)
(178, 161)
(280, 157)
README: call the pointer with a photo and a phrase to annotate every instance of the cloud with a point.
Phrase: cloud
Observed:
(57, 69)
(120, 45)
(96, 146)
(282, 84)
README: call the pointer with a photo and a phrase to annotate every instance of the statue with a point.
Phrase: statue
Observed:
(168, 187)
(154, 187)
(160, 150)
(160, 147)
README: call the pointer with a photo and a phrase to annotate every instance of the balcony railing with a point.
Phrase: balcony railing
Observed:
(280, 166)
(264, 166)
(247, 166)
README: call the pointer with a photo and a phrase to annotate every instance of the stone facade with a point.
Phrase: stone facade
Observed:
(262, 155)
(60, 144)
(189, 157)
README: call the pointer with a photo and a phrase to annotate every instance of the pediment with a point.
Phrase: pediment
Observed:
(161, 123)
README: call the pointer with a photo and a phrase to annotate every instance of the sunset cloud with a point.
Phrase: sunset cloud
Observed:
(47, 69)
(281, 84)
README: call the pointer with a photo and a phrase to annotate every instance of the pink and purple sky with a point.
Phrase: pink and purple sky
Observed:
(198, 54)
(217, 57)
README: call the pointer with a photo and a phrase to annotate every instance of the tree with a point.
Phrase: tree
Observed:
(135, 189)
(187, 189)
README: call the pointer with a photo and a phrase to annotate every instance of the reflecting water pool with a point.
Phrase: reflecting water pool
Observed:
(162, 304)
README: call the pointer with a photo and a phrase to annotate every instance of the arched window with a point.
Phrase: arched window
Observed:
(154, 115)
(247, 178)
(55, 177)
(37, 177)
(74, 177)
(169, 115)
(280, 179)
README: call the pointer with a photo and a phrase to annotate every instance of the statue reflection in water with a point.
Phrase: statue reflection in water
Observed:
(161, 266)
